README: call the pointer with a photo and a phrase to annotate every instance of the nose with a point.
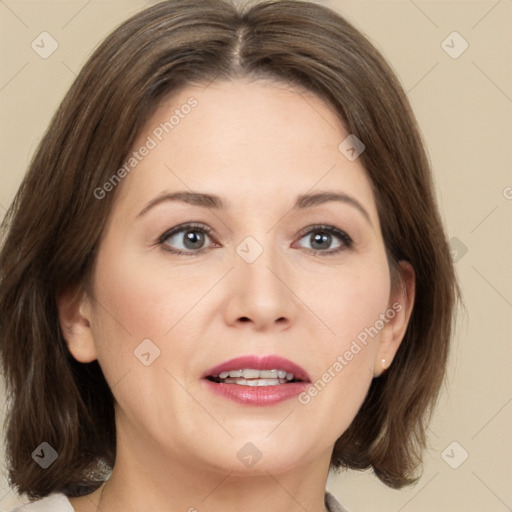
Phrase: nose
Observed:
(261, 294)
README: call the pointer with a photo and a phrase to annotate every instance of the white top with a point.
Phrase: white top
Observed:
(55, 502)
(58, 502)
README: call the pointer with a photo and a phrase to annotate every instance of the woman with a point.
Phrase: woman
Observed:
(225, 272)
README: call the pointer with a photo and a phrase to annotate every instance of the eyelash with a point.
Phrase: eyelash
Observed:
(346, 240)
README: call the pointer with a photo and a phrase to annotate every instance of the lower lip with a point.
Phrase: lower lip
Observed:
(257, 395)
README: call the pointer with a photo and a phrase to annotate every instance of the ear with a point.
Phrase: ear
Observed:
(75, 315)
(399, 312)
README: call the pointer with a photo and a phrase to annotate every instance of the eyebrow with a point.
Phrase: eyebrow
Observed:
(214, 202)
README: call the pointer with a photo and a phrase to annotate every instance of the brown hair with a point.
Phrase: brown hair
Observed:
(53, 227)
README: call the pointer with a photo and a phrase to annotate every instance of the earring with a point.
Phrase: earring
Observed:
(384, 367)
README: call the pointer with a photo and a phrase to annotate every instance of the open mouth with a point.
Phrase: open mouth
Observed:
(254, 378)
(257, 380)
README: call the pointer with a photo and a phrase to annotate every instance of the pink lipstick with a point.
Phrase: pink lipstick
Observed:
(257, 380)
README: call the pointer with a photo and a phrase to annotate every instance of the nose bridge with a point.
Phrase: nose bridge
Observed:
(261, 292)
(261, 273)
(260, 262)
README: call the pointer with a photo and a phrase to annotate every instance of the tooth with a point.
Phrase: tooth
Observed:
(268, 382)
(254, 378)
(250, 374)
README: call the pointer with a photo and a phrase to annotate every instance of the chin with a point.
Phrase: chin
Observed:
(260, 454)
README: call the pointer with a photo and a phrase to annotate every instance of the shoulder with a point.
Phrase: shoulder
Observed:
(332, 504)
(55, 502)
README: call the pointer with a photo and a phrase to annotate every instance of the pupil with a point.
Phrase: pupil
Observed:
(322, 239)
(193, 239)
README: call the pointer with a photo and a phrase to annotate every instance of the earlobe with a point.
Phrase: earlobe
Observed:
(75, 323)
(401, 303)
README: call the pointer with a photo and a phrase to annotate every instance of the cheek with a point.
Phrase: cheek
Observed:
(136, 303)
(145, 301)
(352, 306)
(350, 300)
(142, 332)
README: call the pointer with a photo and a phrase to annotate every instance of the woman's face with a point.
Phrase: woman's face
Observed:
(286, 260)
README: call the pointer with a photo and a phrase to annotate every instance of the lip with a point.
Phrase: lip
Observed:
(261, 395)
(254, 362)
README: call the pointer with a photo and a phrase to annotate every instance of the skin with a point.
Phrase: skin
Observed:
(257, 144)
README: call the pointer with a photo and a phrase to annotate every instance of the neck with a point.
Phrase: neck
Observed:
(145, 479)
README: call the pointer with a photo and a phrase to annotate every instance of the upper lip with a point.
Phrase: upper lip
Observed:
(258, 362)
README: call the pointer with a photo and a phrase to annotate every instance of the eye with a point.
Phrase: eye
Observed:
(192, 239)
(322, 238)
(187, 239)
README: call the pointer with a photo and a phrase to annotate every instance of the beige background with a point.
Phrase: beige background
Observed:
(464, 106)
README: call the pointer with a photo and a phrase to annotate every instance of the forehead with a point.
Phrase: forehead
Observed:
(247, 141)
